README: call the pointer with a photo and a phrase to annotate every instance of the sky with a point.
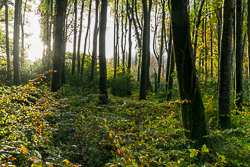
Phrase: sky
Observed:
(35, 48)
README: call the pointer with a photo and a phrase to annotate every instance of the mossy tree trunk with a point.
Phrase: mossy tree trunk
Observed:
(193, 115)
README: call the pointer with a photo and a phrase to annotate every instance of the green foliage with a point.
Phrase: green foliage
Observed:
(120, 85)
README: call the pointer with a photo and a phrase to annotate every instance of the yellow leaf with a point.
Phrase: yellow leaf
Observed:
(37, 165)
(66, 161)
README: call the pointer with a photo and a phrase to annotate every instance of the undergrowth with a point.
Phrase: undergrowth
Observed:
(71, 128)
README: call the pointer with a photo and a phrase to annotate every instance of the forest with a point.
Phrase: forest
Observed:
(174, 92)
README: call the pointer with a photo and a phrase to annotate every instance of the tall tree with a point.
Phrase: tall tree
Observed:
(224, 113)
(16, 44)
(63, 77)
(58, 48)
(86, 38)
(145, 49)
(239, 54)
(102, 54)
(74, 40)
(7, 40)
(193, 115)
(162, 36)
(94, 52)
(79, 40)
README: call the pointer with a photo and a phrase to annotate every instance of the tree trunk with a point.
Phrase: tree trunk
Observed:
(197, 27)
(7, 40)
(115, 52)
(86, 37)
(79, 41)
(224, 113)
(193, 115)
(162, 36)
(16, 44)
(239, 54)
(58, 48)
(74, 40)
(94, 53)
(145, 50)
(129, 54)
(63, 79)
(102, 54)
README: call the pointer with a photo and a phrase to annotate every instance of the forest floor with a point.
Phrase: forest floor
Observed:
(70, 128)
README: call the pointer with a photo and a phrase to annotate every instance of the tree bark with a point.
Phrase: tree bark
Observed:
(58, 48)
(102, 54)
(79, 40)
(63, 79)
(193, 115)
(162, 36)
(224, 113)
(94, 53)
(86, 38)
(16, 44)
(74, 40)
(7, 40)
(145, 50)
(239, 54)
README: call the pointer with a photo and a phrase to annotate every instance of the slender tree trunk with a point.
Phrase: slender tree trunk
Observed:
(22, 22)
(193, 115)
(7, 40)
(239, 54)
(162, 36)
(115, 51)
(117, 34)
(16, 44)
(94, 53)
(197, 27)
(86, 38)
(169, 57)
(224, 113)
(79, 40)
(129, 55)
(102, 54)
(74, 40)
(58, 48)
(219, 18)
(63, 79)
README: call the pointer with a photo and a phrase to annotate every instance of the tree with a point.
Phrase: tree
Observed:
(16, 44)
(63, 79)
(94, 53)
(239, 54)
(224, 114)
(7, 40)
(79, 40)
(86, 37)
(74, 40)
(58, 48)
(145, 49)
(102, 54)
(162, 36)
(193, 115)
